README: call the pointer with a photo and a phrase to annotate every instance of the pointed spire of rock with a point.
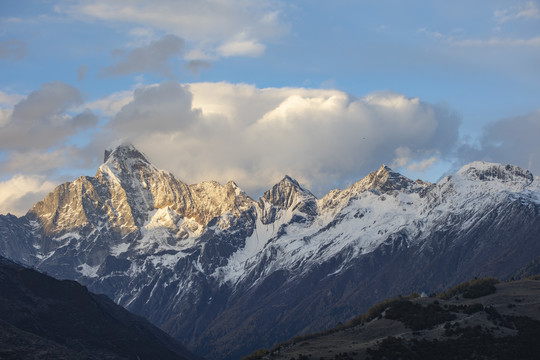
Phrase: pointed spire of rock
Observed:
(286, 193)
(124, 152)
(384, 180)
(125, 160)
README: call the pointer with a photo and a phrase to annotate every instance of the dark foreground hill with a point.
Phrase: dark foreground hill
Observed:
(480, 320)
(45, 318)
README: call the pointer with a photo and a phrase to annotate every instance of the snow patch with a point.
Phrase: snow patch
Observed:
(71, 235)
(166, 260)
(87, 270)
(119, 249)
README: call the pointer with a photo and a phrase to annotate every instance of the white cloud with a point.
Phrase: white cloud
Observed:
(153, 57)
(495, 41)
(18, 194)
(434, 34)
(195, 66)
(403, 157)
(142, 32)
(241, 46)
(498, 42)
(5, 116)
(81, 72)
(199, 54)
(35, 162)
(9, 100)
(423, 165)
(527, 11)
(512, 140)
(40, 120)
(12, 49)
(111, 104)
(207, 24)
(142, 36)
(155, 109)
(324, 138)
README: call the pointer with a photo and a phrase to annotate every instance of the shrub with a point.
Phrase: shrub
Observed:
(474, 308)
(418, 317)
(376, 310)
(471, 289)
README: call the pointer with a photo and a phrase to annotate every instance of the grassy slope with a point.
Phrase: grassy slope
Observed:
(503, 324)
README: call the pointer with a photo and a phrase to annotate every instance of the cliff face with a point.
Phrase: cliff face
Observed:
(124, 192)
(200, 260)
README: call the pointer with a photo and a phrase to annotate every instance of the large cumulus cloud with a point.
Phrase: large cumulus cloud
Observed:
(325, 138)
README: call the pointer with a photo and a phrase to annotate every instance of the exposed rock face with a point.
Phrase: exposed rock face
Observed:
(225, 274)
(123, 192)
(287, 196)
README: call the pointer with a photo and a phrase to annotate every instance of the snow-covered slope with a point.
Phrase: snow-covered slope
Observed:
(200, 260)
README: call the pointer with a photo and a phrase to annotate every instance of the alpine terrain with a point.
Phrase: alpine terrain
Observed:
(225, 274)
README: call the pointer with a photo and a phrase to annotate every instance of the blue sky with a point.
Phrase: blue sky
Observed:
(252, 90)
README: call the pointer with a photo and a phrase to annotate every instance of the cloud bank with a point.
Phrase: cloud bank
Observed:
(12, 49)
(526, 11)
(324, 138)
(40, 121)
(512, 141)
(153, 57)
(214, 27)
(18, 194)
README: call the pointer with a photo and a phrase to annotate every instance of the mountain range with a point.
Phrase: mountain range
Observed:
(225, 274)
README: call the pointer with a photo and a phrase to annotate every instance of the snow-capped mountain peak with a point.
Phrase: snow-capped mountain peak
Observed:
(486, 171)
(124, 152)
(286, 193)
(124, 162)
(386, 180)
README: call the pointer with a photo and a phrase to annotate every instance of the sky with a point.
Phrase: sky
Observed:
(324, 91)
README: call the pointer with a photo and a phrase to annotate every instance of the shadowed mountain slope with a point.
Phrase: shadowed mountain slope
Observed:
(41, 317)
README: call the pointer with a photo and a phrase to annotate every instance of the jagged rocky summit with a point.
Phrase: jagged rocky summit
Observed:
(226, 274)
